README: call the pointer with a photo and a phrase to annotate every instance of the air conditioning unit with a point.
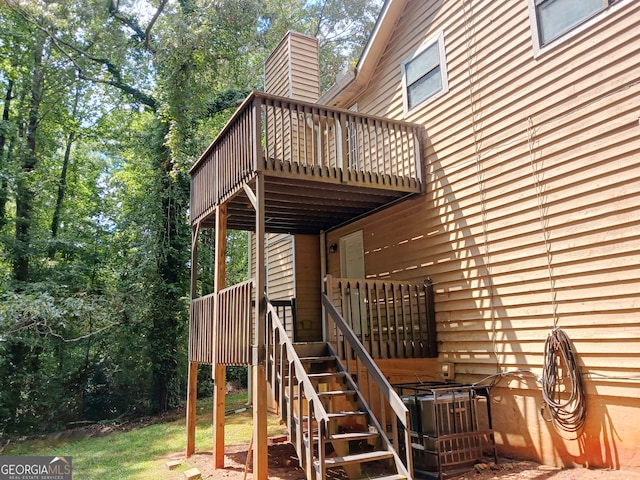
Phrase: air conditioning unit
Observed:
(450, 426)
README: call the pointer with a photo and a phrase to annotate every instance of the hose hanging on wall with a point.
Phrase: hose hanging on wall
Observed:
(562, 388)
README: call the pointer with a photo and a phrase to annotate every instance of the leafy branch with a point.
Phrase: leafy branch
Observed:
(74, 54)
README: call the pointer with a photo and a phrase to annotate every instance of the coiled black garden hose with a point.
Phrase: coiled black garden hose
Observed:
(562, 386)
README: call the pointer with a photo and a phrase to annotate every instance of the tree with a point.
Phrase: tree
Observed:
(105, 108)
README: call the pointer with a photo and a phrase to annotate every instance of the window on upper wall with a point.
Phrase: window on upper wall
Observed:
(424, 74)
(554, 18)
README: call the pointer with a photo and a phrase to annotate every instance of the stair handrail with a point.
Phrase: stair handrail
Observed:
(386, 390)
(315, 405)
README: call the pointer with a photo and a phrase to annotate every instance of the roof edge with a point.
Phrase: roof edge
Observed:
(361, 75)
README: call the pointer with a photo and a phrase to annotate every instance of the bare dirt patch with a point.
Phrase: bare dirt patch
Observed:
(283, 465)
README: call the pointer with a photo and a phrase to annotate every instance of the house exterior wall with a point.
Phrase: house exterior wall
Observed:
(279, 266)
(292, 70)
(308, 327)
(531, 217)
(292, 262)
(293, 271)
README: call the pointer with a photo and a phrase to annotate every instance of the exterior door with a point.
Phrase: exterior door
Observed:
(352, 255)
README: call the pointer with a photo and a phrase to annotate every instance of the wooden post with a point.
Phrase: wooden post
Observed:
(342, 149)
(192, 392)
(260, 465)
(192, 389)
(219, 371)
(323, 276)
(418, 153)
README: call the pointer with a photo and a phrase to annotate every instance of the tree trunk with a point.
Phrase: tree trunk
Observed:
(62, 188)
(24, 191)
(4, 184)
(62, 183)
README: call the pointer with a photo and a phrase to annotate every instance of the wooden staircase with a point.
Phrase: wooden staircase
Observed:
(352, 444)
(331, 423)
(343, 417)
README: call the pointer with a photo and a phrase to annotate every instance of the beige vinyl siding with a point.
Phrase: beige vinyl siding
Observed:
(276, 70)
(279, 265)
(305, 71)
(533, 204)
(292, 70)
(308, 288)
(280, 275)
(533, 179)
(531, 213)
(293, 271)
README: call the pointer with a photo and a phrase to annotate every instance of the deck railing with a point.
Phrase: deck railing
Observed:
(201, 325)
(235, 324)
(392, 319)
(389, 415)
(300, 406)
(276, 134)
(232, 344)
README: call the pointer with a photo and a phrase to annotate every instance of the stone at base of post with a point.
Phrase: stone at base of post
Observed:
(260, 454)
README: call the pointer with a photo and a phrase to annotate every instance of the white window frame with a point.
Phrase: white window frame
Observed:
(588, 22)
(439, 39)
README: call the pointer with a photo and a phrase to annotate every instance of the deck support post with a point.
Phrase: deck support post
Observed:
(192, 385)
(192, 393)
(219, 370)
(260, 454)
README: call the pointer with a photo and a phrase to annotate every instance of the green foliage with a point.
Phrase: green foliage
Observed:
(103, 113)
(238, 375)
(139, 453)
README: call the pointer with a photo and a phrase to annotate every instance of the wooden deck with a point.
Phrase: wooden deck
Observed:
(322, 166)
(391, 319)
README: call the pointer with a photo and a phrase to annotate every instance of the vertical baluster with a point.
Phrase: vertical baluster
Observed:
(205, 345)
(268, 126)
(383, 336)
(235, 323)
(283, 132)
(400, 311)
(281, 384)
(238, 324)
(300, 423)
(408, 315)
(398, 154)
(392, 319)
(377, 148)
(382, 416)
(374, 323)
(368, 153)
(406, 154)
(416, 320)
(291, 403)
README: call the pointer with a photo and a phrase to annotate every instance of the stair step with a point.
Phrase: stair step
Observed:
(312, 349)
(331, 462)
(352, 436)
(317, 359)
(337, 393)
(326, 375)
(333, 415)
(337, 415)
(390, 477)
(346, 437)
(329, 394)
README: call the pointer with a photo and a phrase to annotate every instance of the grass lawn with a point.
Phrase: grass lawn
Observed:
(137, 453)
